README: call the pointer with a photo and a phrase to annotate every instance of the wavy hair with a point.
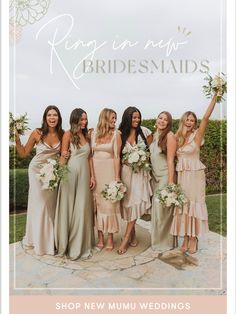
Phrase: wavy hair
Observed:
(162, 141)
(75, 118)
(44, 127)
(180, 135)
(103, 126)
(126, 125)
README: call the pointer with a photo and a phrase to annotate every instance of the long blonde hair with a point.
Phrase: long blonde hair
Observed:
(180, 134)
(103, 126)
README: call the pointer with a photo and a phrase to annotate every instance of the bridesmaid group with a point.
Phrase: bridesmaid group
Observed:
(63, 221)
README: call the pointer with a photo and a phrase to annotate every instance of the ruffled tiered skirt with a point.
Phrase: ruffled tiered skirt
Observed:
(192, 219)
(137, 200)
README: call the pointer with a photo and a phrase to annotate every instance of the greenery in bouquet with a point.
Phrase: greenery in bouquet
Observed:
(52, 173)
(17, 124)
(218, 85)
(137, 157)
(114, 191)
(171, 196)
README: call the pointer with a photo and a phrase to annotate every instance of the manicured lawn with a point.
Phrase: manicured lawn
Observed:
(216, 205)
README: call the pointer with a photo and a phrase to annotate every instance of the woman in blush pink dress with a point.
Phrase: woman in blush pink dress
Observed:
(106, 144)
(137, 200)
(192, 221)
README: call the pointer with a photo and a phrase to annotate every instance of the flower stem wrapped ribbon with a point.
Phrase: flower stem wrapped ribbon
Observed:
(218, 85)
(137, 157)
(171, 196)
(19, 124)
(51, 173)
(114, 191)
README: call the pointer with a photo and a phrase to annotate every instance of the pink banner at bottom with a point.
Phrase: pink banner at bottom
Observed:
(117, 304)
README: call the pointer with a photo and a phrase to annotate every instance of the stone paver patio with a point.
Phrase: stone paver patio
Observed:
(139, 271)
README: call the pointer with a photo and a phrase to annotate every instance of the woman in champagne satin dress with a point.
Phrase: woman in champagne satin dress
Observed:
(41, 203)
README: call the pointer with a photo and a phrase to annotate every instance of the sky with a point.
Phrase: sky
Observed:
(198, 25)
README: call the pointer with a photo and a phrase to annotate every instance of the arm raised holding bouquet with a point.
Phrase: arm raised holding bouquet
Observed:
(191, 219)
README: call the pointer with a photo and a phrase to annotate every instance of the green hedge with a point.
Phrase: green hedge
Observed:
(16, 162)
(213, 153)
(19, 186)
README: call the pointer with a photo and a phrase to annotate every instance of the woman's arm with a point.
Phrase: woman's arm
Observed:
(171, 150)
(149, 139)
(24, 150)
(92, 173)
(117, 156)
(65, 147)
(201, 130)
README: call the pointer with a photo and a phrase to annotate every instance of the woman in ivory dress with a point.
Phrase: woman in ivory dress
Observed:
(192, 221)
(162, 149)
(74, 228)
(137, 199)
(106, 144)
(41, 203)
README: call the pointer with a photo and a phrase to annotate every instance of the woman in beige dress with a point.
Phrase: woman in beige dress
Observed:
(137, 200)
(74, 234)
(162, 149)
(41, 203)
(106, 144)
(192, 221)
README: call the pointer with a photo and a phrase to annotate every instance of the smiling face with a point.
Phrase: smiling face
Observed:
(190, 123)
(135, 119)
(162, 121)
(52, 118)
(112, 120)
(83, 121)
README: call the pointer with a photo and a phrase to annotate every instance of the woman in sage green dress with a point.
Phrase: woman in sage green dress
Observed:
(74, 227)
(162, 149)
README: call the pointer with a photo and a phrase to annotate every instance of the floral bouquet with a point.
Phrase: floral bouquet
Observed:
(114, 191)
(171, 196)
(51, 173)
(137, 157)
(218, 85)
(19, 124)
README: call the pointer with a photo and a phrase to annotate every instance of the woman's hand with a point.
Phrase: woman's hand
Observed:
(66, 154)
(92, 183)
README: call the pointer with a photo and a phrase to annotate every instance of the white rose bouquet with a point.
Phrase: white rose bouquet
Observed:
(171, 196)
(19, 124)
(137, 157)
(218, 85)
(114, 191)
(51, 173)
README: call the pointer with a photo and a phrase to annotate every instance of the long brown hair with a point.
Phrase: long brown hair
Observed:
(75, 118)
(45, 129)
(180, 134)
(162, 141)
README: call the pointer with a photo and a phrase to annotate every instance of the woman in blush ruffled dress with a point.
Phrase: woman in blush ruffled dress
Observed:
(162, 149)
(106, 144)
(41, 203)
(191, 221)
(137, 200)
(74, 227)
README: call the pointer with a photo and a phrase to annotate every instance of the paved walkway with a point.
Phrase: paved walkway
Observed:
(139, 271)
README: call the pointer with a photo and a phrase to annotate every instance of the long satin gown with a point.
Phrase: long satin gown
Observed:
(41, 204)
(162, 217)
(193, 218)
(137, 200)
(107, 214)
(74, 228)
